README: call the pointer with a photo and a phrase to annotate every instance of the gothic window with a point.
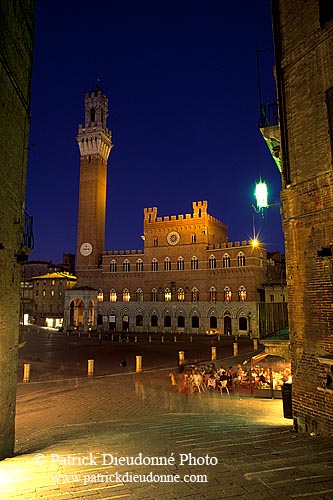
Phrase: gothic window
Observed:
(212, 294)
(167, 321)
(139, 295)
(195, 322)
(167, 264)
(154, 265)
(242, 296)
(167, 295)
(212, 262)
(113, 295)
(155, 242)
(194, 263)
(113, 266)
(126, 266)
(139, 265)
(153, 295)
(180, 264)
(242, 323)
(181, 322)
(194, 238)
(139, 320)
(213, 322)
(92, 114)
(227, 294)
(226, 260)
(154, 320)
(241, 259)
(180, 295)
(126, 295)
(194, 295)
(100, 296)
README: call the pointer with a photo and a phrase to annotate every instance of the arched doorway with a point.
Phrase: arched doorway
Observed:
(227, 325)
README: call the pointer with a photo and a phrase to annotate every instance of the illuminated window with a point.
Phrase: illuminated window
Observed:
(100, 296)
(241, 259)
(139, 265)
(226, 260)
(212, 262)
(212, 294)
(167, 295)
(53, 282)
(194, 295)
(113, 295)
(126, 295)
(194, 263)
(167, 264)
(113, 266)
(227, 294)
(44, 293)
(242, 294)
(180, 295)
(52, 293)
(153, 295)
(139, 295)
(126, 266)
(154, 265)
(180, 264)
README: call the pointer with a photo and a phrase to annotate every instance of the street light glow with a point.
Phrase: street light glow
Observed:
(261, 194)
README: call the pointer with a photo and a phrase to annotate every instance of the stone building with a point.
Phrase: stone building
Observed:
(189, 276)
(16, 50)
(303, 39)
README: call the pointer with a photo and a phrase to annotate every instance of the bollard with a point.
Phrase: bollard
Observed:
(235, 348)
(26, 373)
(175, 339)
(213, 349)
(162, 339)
(79, 334)
(127, 338)
(89, 335)
(191, 339)
(90, 367)
(119, 338)
(112, 337)
(149, 338)
(135, 338)
(181, 357)
(218, 338)
(138, 364)
(67, 333)
(255, 344)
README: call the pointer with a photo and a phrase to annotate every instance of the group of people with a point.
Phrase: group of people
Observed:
(208, 377)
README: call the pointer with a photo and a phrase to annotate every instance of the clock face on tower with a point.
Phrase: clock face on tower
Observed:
(86, 249)
(173, 238)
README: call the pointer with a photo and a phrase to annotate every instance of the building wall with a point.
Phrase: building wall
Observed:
(304, 68)
(16, 48)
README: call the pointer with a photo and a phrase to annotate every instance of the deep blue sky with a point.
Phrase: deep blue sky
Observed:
(183, 110)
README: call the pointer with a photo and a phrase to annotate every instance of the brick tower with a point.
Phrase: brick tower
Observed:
(94, 140)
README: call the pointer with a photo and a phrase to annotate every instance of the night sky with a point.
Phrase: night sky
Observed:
(183, 110)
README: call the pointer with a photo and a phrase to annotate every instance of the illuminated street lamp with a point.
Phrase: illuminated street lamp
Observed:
(261, 194)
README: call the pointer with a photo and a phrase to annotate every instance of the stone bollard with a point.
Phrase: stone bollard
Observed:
(138, 364)
(67, 333)
(213, 349)
(89, 335)
(112, 337)
(162, 339)
(218, 338)
(127, 338)
(255, 344)
(135, 338)
(175, 339)
(26, 373)
(191, 338)
(149, 338)
(181, 357)
(235, 348)
(90, 367)
(119, 338)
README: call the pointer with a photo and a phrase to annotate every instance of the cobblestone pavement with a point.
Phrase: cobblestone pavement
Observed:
(100, 438)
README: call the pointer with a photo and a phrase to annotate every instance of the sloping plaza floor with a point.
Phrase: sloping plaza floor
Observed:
(99, 438)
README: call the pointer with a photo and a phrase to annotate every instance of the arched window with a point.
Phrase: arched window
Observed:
(139, 295)
(241, 259)
(181, 321)
(180, 264)
(113, 295)
(212, 294)
(113, 266)
(154, 320)
(180, 295)
(153, 295)
(100, 296)
(195, 322)
(139, 320)
(126, 266)
(167, 264)
(154, 264)
(242, 294)
(226, 260)
(139, 265)
(213, 322)
(92, 114)
(194, 238)
(167, 295)
(194, 295)
(212, 262)
(242, 323)
(227, 294)
(126, 295)
(194, 262)
(167, 321)
(155, 241)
